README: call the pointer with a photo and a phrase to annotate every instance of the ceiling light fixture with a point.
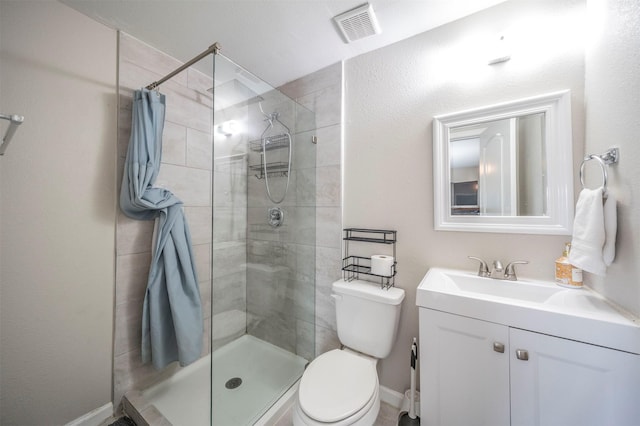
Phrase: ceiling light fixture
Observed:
(228, 128)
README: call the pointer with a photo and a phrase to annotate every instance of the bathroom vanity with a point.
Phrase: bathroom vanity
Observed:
(524, 352)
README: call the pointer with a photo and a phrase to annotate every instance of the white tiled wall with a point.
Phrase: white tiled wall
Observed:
(280, 260)
(229, 319)
(321, 92)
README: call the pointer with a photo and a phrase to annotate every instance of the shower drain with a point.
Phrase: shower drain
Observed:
(233, 383)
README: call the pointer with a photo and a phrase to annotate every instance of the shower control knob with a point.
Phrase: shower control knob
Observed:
(275, 216)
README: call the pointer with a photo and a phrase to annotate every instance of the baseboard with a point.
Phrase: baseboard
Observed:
(95, 417)
(391, 397)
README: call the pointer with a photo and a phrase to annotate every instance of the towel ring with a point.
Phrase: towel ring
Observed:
(603, 166)
(611, 156)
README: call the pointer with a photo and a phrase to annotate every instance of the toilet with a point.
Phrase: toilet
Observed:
(340, 387)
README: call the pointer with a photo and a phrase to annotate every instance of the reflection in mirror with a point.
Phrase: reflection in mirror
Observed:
(497, 167)
(505, 167)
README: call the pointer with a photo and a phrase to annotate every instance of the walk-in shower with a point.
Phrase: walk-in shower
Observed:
(262, 168)
(258, 286)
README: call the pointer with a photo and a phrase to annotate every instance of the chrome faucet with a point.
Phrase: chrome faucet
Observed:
(483, 271)
(497, 271)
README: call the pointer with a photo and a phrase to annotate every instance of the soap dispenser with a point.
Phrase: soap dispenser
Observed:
(567, 275)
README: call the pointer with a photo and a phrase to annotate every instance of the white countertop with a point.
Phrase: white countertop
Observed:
(539, 306)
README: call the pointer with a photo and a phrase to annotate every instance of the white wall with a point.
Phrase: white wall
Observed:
(391, 97)
(465, 174)
(57, 213)
(612, 87)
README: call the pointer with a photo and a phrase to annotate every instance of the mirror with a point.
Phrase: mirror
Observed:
(505, 168)
(496, 167)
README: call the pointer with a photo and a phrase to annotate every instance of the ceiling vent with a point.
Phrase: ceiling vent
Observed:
(358, 23)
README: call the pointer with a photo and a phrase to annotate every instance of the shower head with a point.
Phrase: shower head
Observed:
(251, 101)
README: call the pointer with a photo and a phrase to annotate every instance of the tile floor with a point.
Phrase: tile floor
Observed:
(388, 417)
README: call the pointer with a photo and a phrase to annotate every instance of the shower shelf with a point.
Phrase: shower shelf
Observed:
(272, 142)
(354, 266)
(275, 169)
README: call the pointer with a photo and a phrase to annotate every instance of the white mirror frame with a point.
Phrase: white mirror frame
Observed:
(559, 167)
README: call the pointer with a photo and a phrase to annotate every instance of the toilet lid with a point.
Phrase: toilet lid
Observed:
(336, 385)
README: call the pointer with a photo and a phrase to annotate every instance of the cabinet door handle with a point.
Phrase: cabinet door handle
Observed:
(498, 347)
(522, 355)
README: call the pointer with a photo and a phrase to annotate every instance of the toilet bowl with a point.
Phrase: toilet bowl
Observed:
(338, 388)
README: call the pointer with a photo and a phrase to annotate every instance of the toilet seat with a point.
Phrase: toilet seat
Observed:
(337, 385)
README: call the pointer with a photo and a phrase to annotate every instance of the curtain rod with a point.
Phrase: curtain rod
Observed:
(213, 49)
(14, 121)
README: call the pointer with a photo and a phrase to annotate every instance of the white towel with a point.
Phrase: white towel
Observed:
(610, 229)
(594, 232)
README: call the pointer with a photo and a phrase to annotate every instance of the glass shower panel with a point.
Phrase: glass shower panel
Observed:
(176, 394)
(263, 255)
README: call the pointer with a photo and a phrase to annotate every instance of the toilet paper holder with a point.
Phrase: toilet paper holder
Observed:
(361, 267)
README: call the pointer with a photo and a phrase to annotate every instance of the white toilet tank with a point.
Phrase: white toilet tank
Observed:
(367, 316)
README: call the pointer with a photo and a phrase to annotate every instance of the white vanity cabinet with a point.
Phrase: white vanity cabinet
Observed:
(476, 372)
(564, 382)
(463, 380)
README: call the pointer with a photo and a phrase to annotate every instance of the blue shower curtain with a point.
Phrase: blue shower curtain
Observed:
(172, 326)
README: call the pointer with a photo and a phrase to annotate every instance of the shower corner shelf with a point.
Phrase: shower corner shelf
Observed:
(354, 266)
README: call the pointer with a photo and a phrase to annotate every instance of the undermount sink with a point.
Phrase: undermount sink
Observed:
(534, 305)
